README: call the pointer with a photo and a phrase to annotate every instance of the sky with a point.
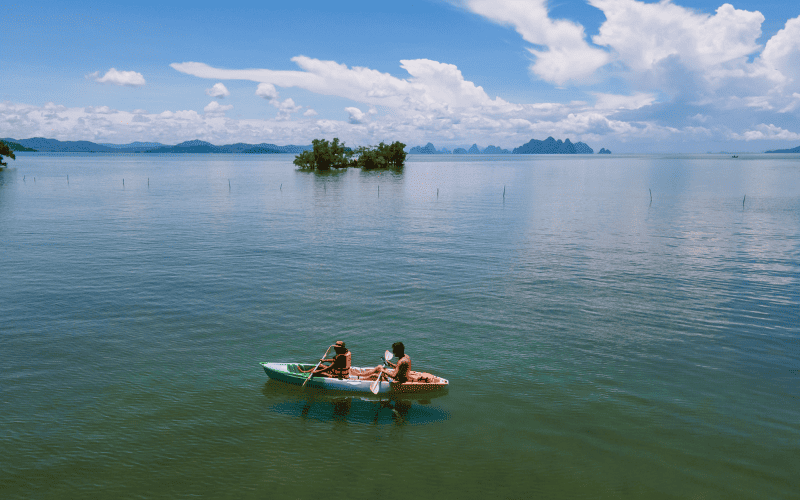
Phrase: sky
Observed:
(631, 76)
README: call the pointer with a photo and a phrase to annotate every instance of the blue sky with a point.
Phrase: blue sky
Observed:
(628, 75)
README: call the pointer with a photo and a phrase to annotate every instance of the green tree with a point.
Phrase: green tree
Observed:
(381, 156)
(5, 150)
(324, 155)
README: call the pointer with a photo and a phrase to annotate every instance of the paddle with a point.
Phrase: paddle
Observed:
(376, 386)
(315, 368)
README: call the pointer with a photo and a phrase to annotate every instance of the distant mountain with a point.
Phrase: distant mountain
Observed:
(793, 150)
(15, 146)
(428, 149)
(604, 151)
(195, 146)
(495, 150)
(142, 146)
(552, 146)
(444, 151)
(53, 145)
(474, 150)
(459, 151)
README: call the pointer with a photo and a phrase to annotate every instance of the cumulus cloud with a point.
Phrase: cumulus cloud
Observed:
(566, 55)
(267, 91)
(781, 56)
(642, 35)
(218, 90)
(764, 131)
(356, 115)
(215, 108)
(310, 112)
(285, 108)
(123, 78)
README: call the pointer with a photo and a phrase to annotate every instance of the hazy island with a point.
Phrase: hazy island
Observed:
(40, 144)
(793, 150)
(532, 147)
(325, 155)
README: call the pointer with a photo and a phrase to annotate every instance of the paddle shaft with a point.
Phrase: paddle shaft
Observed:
(315, 368)
(376, 386)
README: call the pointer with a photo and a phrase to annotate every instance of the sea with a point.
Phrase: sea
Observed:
(611, 326)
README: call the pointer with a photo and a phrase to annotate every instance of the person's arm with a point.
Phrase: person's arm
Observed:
(328, 368)
(393, 373)
(321, 366)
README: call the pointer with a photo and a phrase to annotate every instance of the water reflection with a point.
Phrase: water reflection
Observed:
(310, 403)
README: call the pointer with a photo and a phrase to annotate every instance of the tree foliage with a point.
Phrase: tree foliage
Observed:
(325, 155)
(383, 156)
(5, 150)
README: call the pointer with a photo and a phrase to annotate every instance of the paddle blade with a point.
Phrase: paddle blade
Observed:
(388, 355)
(375, 386)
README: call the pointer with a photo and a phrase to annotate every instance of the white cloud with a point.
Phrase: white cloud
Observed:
(356, 115)
(433, 86)
(285, 108)
(310, 112)
(764, 131)
(215, 108)
(781, 56)
(218, 90)
(126, 78)
(266, 90)
(642, 35)
(614, 101)
(566, 54)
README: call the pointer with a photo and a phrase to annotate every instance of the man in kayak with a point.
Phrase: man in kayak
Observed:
(339, 366)
(402, 369)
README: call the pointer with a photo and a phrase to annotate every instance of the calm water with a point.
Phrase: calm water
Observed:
(599, 344)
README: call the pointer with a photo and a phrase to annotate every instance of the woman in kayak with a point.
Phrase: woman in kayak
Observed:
(339, 366)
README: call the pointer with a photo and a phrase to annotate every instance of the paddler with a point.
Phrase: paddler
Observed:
(339, 366)
(402, 369)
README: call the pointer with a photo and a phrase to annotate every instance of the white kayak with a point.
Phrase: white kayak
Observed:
(424, 383)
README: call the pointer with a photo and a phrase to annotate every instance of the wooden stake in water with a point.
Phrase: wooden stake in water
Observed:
(651, 195)
(504, 191)
(281, 188)
(379, 191)
(67, 179)
(123, 182)
(148, 182)
(437, 193)
(745, 197)
(229, 184)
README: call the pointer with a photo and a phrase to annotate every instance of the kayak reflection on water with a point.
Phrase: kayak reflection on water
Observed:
(291, 400)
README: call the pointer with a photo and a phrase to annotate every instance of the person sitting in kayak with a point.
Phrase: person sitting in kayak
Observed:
(402, 369)
(339, 366)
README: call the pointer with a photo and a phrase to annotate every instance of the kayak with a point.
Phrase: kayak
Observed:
(424, 383)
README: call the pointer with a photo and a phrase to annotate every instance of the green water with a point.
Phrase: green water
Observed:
(599, 344)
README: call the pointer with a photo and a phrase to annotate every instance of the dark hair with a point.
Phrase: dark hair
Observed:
(399, 349)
